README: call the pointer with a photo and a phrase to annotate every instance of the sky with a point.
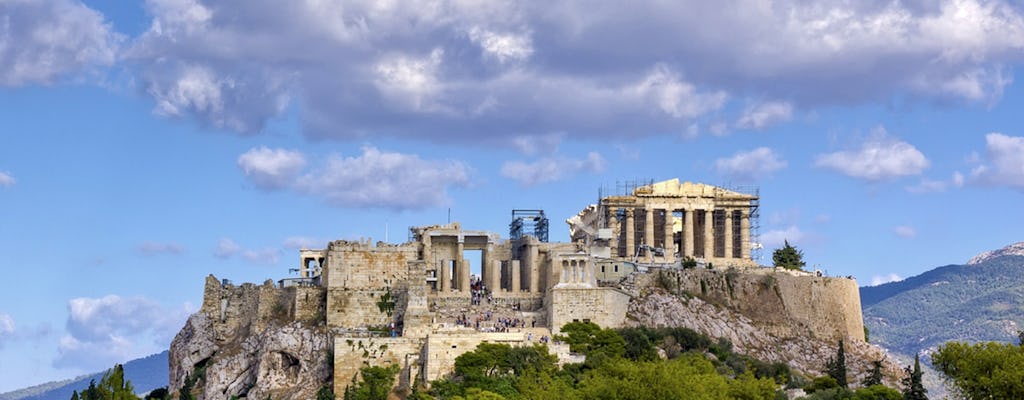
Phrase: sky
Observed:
(147, 144)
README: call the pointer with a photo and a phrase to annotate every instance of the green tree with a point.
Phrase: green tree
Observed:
(788, 257)
(91, 393)
(376, 383)
(113, 385)
(984, 370)
(326, 392)
(821, 383)
(913, 387)
(158, 394)
(590, 340)
(877, 392)
(836, 367)
(74, 395)
(875, 376)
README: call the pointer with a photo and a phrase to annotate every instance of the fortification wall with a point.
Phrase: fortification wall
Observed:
(352, 353)
(789, 304)
(443, 348)
(360, 266)
(246, 309)
(605, 307)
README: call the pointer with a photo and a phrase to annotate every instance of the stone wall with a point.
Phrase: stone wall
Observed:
(358, 275)
(443, 348)
(352, 353)
(788, 304)
(605, 307)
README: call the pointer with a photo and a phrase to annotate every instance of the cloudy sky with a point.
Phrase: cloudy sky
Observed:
(146, 144)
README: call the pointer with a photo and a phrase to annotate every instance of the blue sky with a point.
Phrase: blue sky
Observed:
(146, 144)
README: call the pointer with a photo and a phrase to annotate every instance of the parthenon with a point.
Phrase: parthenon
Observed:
(665, 221)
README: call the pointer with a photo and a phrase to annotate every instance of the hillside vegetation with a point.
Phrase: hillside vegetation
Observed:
(973, 303)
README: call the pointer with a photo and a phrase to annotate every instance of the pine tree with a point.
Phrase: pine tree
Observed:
(74, 395)
(875, 377)
(788, 257)
(836, 367)
(913, 387)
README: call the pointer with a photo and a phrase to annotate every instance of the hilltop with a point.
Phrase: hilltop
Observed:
(982, 300)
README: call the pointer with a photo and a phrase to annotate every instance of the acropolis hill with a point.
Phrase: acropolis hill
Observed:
(418, 305)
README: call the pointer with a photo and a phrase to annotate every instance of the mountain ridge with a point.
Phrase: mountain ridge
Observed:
(145, 373)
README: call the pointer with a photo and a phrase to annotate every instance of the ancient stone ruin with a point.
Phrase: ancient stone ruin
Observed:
(419, 305)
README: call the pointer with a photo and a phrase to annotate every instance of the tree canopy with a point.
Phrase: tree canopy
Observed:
(984, 370)
(788, 257)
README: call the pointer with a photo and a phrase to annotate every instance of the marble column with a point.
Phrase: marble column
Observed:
(616, 226)
(516, 272)
(534, 268)
(649, 228)
(745, 233)
(728, 233)
(445, 269)
(688, 232)
(670, 245)
(464, 277)
(461, 276)
(494, 275)
(630, 234)
(709, 234)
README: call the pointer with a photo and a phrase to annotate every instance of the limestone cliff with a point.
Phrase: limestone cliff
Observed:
(253, 341)
(773, 316)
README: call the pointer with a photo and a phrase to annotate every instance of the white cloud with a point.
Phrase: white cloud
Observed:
(102, 331)
(6, 179)
(904, 231)
(461, 69)
(551, 169)
(157, 248)
(664, 89)
(935, 186)
(763, 115)
(1004, 161)
(44, 40)
(752, 165)
(266, 255)
(532, 145)
(373, 179)
(271, 168)
(880, 157)
(883, 279)
(378, 179)
(411, 81)
(226, 248)
(775, 238)
(502, 47)
(303, 242)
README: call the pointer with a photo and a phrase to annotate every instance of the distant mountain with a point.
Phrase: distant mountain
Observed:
(979, 301)
(145, 373)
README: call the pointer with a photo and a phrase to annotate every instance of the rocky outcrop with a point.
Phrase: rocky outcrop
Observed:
(246, 342)
(1016, 249)
(803, 351)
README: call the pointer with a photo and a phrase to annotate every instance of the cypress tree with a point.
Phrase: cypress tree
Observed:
(914, 388)
(875, 377)
(836, 367)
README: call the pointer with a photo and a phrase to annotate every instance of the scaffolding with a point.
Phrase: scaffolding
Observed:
(754, 242)
(528, 222)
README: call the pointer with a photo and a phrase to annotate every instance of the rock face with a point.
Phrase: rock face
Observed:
(1016, 249)
(759, 326)
(233, 349)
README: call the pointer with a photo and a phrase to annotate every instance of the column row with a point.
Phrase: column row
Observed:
(722, 233)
